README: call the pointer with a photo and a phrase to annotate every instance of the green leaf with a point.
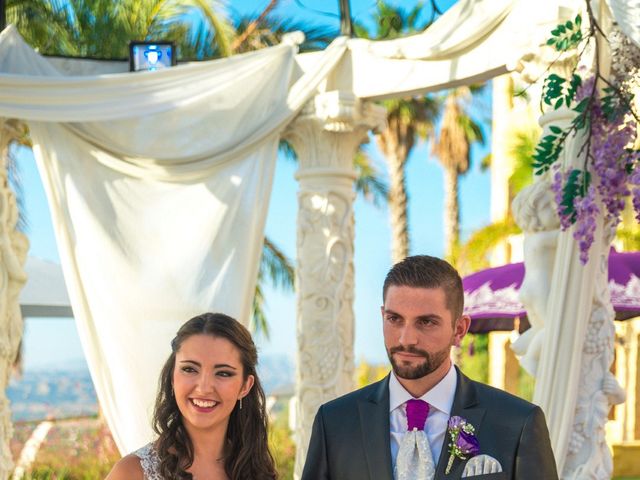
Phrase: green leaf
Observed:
(578, 20)
(551, 41)
(580, 107)
(558, 104)
(546, 153)
(575, 187)
(555, 129)
(569, 24)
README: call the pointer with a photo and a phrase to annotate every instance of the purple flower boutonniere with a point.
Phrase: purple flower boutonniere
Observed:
(464, 443)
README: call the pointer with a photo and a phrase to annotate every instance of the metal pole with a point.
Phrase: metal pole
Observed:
(346, 26)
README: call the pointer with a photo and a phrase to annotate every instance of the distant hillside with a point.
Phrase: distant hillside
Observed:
(62, 391)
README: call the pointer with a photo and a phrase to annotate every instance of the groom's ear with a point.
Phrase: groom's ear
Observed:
(460, 329)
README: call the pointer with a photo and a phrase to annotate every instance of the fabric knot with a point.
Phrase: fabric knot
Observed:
(417, 412)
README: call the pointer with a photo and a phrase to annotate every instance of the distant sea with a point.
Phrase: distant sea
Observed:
(66, 390)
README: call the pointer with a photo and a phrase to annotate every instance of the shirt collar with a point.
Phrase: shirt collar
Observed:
(440, 396)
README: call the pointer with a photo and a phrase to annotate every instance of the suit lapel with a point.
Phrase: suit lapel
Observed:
(374, 420)
(465, 405)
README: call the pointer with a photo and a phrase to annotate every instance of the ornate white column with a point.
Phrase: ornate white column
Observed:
(326, 137)
(573, 383)
(13, 254)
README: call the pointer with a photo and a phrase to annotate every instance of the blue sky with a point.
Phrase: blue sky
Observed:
(54, 341)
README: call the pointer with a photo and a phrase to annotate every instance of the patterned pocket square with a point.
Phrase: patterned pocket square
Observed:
(481, 465)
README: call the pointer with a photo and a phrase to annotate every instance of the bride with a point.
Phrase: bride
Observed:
(210, 412)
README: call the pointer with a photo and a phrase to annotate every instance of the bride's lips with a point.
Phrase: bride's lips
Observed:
(203, 405)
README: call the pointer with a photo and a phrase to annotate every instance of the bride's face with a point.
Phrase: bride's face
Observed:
(208, 381)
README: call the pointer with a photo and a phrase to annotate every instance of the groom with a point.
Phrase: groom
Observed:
(402, 426)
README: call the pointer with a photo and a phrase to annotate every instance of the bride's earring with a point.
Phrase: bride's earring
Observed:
(240, 403)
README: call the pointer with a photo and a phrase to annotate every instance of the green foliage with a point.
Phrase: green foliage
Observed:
(630, 238)
(282, 446)
(566, 36)
(368, 181)
(548, 150)
(558, 92)
(576, 186)
(103, 28)
(367, 373)
(473, 357)
(523, 150)
(526, 385)
(79, 449)
(392, 22)
(614, 103)
(474, 254)
(275, 267)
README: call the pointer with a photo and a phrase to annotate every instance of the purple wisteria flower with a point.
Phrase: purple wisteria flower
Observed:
(613, 167)
(464, 443)
(587, 212)
(635, 192)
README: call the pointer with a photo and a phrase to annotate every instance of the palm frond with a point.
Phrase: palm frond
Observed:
(522, 151)
(368, 182)
(258, 323)
(287, 150)
(474, 254)
(279, 270)
(270, 30)
(277, 266)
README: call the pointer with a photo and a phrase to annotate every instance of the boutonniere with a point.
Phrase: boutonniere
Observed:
(464, 443)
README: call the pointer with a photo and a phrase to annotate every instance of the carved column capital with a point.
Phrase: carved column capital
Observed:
(329, 130)
(326, 137)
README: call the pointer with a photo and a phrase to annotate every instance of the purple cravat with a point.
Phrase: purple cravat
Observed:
(417, 411)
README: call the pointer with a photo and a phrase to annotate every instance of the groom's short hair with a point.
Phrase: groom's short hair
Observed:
(424, 271)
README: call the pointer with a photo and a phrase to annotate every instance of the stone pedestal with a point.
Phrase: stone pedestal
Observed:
(326, 137)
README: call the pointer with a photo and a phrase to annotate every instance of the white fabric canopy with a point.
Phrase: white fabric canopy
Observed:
(158, 184)
(463, 26)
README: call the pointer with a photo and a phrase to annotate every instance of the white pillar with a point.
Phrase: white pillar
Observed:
(326, 137)
(13, 253)
(573, 383)
(501, 160)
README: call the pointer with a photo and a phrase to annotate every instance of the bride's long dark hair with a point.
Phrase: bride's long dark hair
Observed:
(246, 454)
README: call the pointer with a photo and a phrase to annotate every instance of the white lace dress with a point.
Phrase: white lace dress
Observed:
(149, 461)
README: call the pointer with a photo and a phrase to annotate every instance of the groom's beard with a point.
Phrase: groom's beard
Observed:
(412, 372)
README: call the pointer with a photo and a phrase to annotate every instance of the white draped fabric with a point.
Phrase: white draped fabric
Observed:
(463, 26)
(158, 184)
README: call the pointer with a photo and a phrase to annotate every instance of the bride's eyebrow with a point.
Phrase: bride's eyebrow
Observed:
(224, 365)
(217, 365)
(191, 361)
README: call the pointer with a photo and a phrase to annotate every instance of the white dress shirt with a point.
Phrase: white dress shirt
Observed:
(440, 399)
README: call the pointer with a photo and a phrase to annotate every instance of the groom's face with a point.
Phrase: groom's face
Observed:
(419, 330)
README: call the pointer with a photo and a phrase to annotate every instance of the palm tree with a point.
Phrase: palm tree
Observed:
(263, 31)
(407, 120)
(474, 254)
(103, 28)
(452, 147)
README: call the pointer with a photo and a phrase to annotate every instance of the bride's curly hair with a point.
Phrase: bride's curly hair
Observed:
(246, 454)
